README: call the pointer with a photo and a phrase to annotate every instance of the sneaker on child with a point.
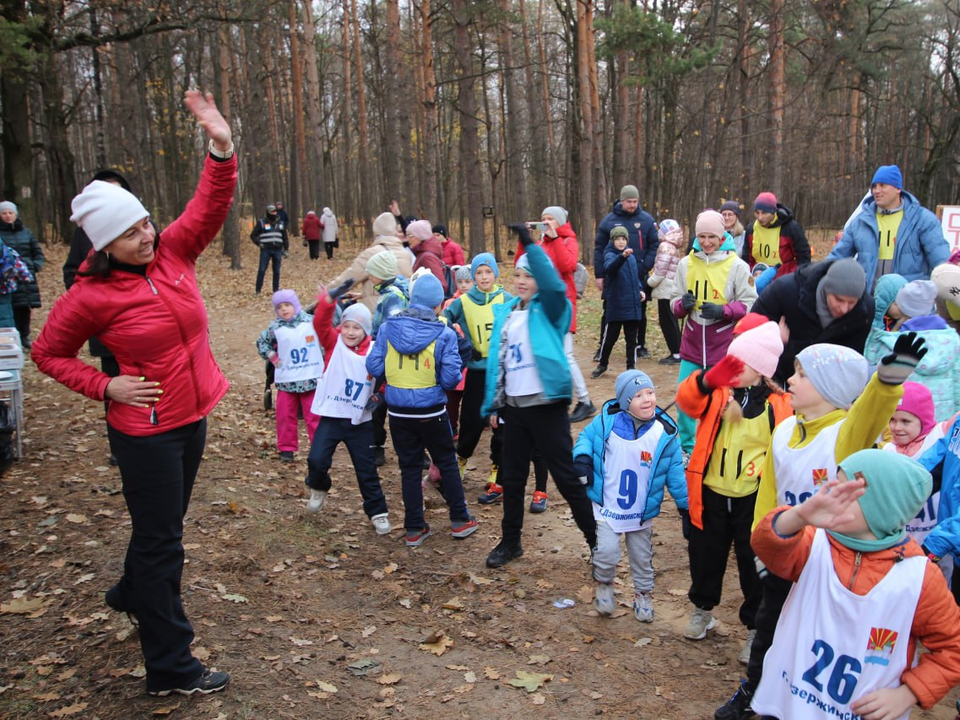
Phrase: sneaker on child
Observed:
(737, 707)
(670, 360)
(464, 528)
(701, 621)
(604, 601)
(600, 370)
(582, 411)
(416, 537)
(381, 523)
(286, 456)
(316, 500)
(643, 607)
(494, 492)
(539, 502)
(503, 553)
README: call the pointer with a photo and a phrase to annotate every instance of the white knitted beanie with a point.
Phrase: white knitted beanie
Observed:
(105, 212)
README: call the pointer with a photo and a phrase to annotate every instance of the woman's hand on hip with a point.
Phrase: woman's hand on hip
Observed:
(204, 109)
(132, 390)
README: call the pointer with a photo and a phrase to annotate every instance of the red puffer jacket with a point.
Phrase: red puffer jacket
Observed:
(155, 324)
(564, 251)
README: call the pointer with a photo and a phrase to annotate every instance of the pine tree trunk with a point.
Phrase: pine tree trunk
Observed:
(366, 202)
(778, 96)
(230, 238)
(432, 199)
(469, 137)
(313, 171)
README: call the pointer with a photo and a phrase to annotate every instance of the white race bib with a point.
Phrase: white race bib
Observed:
(300, 354)
(345, 387)
(627, 467)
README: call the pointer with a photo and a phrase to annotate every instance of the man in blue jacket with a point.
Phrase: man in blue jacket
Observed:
(642, 236)
(893, 232)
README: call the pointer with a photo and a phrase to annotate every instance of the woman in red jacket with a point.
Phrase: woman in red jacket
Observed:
(137, 292)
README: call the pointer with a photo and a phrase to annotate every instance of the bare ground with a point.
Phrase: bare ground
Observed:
(316, 616)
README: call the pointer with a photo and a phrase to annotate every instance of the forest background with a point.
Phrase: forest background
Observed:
(477, 113)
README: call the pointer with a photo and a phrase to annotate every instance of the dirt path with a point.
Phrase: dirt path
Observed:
(316, 616)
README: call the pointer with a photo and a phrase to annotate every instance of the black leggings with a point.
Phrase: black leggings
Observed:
(669, 326)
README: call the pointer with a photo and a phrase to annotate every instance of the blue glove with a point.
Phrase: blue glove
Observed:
(583, 466)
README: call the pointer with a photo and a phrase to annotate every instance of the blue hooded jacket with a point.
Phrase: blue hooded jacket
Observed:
(945, 538)
(666, 470)
(642, 236)
(622, 285)
(410, 333)
(920, 245)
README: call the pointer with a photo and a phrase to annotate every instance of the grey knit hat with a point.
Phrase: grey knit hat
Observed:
(917, 298)
(838, 373)
(845, 277)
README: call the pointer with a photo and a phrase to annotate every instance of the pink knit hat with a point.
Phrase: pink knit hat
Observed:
(420, 229)
(710, 221)
(918, 401)
(759, 348)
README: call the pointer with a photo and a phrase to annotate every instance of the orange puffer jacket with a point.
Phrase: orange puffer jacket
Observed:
(708, 410)
(936, 622)
(155, 324)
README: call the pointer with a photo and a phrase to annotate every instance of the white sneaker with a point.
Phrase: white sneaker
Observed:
(381, 523)
(744, 656)
(643, 607)
(604, 601)
(316, 500)
(700, 622)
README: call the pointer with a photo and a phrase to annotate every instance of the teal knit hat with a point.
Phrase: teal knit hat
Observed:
(897, 487)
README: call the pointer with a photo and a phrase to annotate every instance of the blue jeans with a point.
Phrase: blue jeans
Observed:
(359, 441)
(266, 255)
(158, 472)
(411, 436)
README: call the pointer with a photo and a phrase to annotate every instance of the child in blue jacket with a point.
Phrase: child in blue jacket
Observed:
(419, 357)
(626, 456)
(623, 297)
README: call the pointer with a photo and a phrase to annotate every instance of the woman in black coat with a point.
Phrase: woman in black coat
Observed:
(18, 237)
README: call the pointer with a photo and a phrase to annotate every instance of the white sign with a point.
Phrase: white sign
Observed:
(950, 223)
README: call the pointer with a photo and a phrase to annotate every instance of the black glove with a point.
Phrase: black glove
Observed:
(583, 466)
(688, 301)
(523, 233)
(341, 288)
(711, 311)
(907, 353)
(685, 523)
(372, 402)
(476, 355)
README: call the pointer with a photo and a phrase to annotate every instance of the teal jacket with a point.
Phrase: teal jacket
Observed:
(665, 470)
(885, 294)
(454, 313)
(550, 314)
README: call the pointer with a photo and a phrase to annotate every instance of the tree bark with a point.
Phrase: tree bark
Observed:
(469, 136)
(778, 96)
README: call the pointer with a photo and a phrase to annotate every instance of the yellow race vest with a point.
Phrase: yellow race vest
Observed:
(766, 244)
(887, 227)
(708, 280)
(738, 454)
(411, 372)
(479, 321)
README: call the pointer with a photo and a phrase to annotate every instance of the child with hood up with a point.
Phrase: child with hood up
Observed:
(713, 290)
(290, 345)
(623, 295)
(914, 310)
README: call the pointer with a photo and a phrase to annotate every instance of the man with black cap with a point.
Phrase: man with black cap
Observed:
(270, 235)
(825, 302)
(642, 236)
(892, 232)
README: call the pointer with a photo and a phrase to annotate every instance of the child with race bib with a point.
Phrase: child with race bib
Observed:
(712, 290)
(736, 406)
(838, 412)
(846, 641)
(341, 400)
(419, 356)
(290, 344)
(473, 312)
(626, 456)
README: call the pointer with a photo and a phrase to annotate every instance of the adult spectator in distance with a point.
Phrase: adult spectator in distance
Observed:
(17, 237)
(452, 251)
(730, 212)
(169, 383)
(385, 238)
(826, 302)
(893, 232)
(775, 239)
(282, 214)
(643, 237)
(270, 235)
(328, 221)
(311, 227)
